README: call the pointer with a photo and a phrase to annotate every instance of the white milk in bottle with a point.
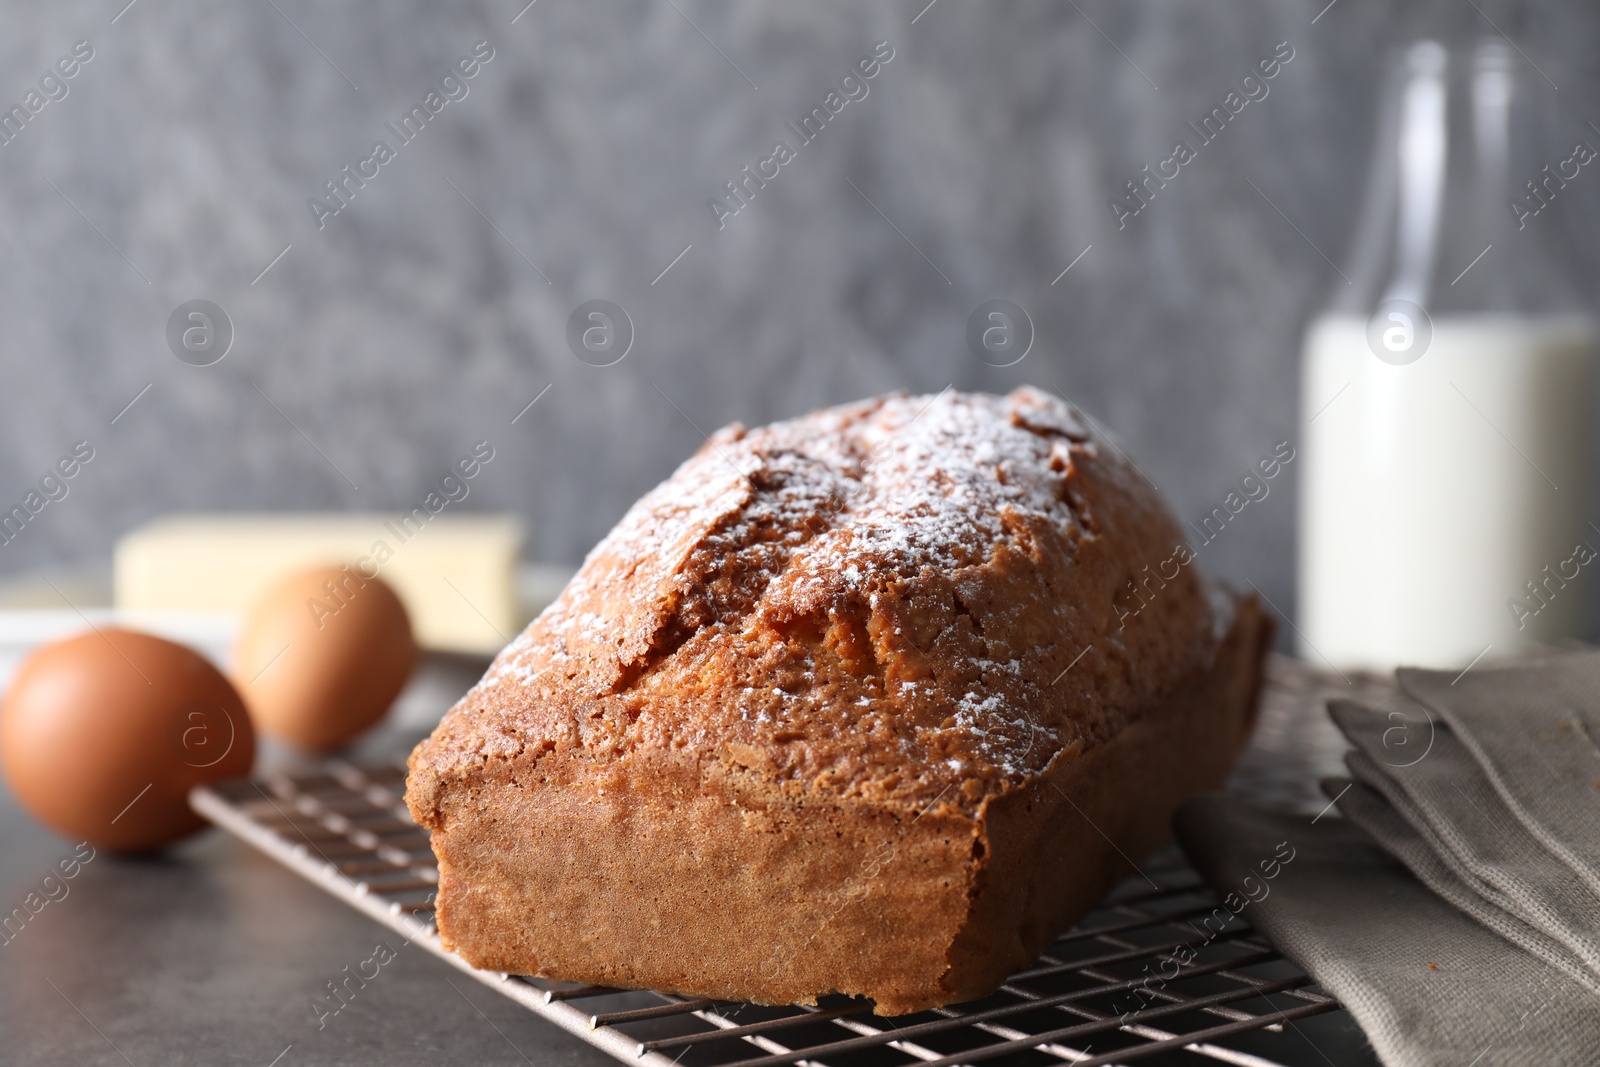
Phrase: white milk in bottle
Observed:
(1445, 401)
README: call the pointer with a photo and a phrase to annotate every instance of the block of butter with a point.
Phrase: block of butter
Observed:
(456, 574)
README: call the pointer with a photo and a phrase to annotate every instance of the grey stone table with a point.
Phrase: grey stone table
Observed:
(212, 954)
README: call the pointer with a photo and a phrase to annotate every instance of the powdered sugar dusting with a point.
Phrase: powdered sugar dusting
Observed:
(823, 591)
(918, 483)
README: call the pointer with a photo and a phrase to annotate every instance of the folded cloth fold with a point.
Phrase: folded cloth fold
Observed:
(1429, 984)
(1372, 812)
(1455, 811)
(1533, 729)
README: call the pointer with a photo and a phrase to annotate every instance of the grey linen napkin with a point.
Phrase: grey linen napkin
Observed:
(1532, 728)
(1455, 812)
(1430, 985)
(1369, 810)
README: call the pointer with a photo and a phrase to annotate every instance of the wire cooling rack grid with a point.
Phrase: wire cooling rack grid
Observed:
(346, 828)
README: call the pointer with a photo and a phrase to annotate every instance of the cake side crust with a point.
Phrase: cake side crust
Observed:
(713, 884)
(1058, 845)
(704, 885)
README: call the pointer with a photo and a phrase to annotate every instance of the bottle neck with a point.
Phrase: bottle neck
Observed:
(1441, 226)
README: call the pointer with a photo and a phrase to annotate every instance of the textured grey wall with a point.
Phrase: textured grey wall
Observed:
(180, 161)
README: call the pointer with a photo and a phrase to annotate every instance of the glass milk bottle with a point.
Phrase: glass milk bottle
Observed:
(1445, 394)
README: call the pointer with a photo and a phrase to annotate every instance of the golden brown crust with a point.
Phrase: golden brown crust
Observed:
(831, 675)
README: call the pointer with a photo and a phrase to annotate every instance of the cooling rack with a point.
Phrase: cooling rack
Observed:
(1110, 991)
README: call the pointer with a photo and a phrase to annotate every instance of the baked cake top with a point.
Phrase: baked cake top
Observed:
(896, 600)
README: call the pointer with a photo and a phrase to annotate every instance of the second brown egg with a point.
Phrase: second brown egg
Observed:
(322, 656)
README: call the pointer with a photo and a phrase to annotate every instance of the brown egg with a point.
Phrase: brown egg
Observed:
(322, 656)
(102, 735)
